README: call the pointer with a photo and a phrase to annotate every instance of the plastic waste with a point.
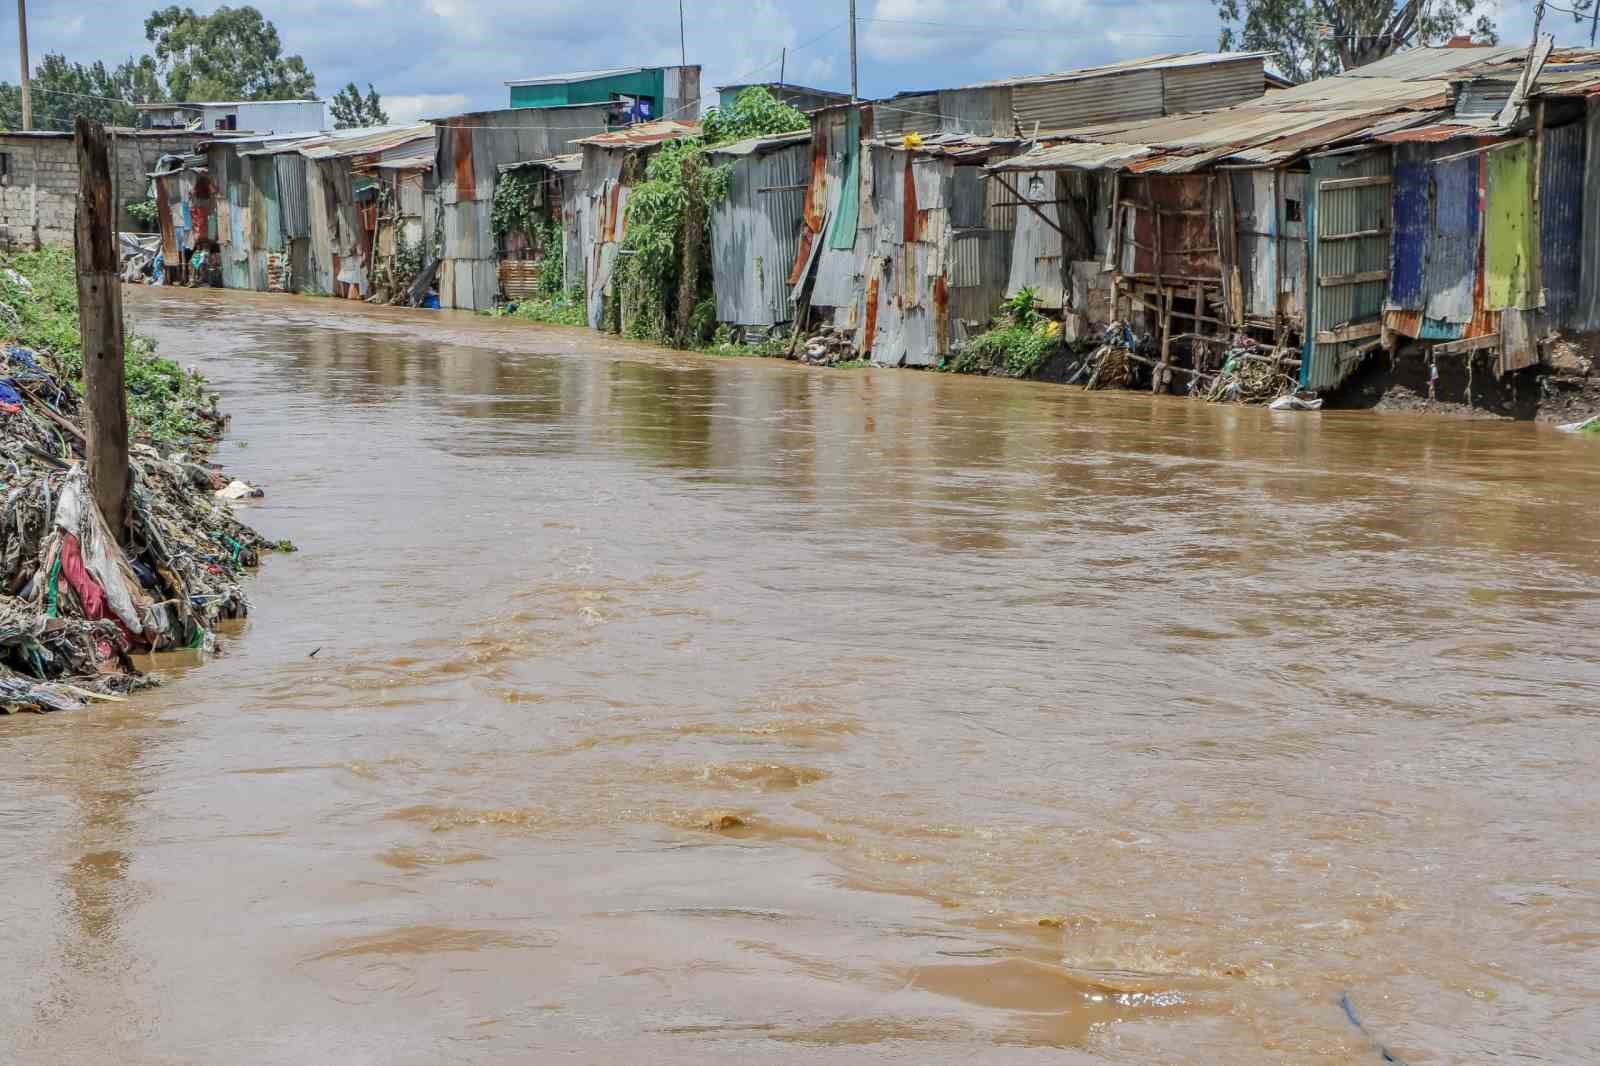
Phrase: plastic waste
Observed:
(1295, 403)
(1579, 427)
(239, 490)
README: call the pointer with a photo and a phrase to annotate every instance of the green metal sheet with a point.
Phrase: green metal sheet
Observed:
(842, 234)
(1508, 230)
(650, 83)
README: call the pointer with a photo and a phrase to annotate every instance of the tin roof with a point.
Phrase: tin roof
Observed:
(342, 144)
(416, 161)
(753, 145)
(954, 145)
(643, 135)
(560, 164)
(1394, 94)
(580, 75)
(190, 105)
(1155, 62)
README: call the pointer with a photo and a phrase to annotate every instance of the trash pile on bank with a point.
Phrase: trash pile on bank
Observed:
(75, 605)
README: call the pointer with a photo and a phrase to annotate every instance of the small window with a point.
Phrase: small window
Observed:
(1291, 211)
(5, 164)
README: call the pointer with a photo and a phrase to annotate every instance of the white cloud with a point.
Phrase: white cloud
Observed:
(407, 109)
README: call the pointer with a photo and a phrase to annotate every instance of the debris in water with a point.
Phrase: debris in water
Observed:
(1350, 1012)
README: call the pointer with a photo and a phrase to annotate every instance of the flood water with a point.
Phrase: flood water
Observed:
(676, 709)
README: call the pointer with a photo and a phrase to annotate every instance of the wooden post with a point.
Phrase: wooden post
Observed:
(694, 232)
(1538, 209)
(100, 322)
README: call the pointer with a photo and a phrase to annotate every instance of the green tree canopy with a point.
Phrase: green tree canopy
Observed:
(755, 113)
(63, 90)
(231, 54)
(1320, 38)
(351, 110)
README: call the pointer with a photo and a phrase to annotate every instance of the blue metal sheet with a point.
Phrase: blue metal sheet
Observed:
(1561, 179)
(1435, 330)
(1412, 222)
(1454, 241)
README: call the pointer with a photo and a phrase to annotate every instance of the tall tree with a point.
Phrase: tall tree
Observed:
(351, 110)
(1319, 38)
(231, 54)
(63, 90)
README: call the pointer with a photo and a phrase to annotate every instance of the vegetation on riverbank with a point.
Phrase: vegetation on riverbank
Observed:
(166, 404)
(1018, 345)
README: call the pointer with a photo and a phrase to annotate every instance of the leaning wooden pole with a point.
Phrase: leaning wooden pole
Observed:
(100, 324)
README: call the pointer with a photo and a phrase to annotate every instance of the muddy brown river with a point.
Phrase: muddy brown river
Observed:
(677, 709)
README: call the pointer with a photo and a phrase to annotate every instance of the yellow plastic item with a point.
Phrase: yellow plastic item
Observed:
(913, 140)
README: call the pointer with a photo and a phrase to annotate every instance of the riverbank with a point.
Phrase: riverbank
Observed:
(75, 604)
(1025, 345)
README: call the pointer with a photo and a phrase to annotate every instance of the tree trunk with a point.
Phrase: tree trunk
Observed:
(692, 250)
(100, 325)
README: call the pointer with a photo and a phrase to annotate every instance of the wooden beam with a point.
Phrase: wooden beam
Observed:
(1351, 332)
(1334, 184)
(1003, 180)
(1469, 344)
(1353, 279)
(1355, 235)
(105, 390)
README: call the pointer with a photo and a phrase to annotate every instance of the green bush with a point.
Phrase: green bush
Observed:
(144, 212)
(562, 309)
(1013, 351)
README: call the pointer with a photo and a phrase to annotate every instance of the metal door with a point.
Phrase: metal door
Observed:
(1350, 221)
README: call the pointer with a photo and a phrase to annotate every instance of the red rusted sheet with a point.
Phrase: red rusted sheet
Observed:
(941, 316)
(466, 176)
(908, 208)
(808, 237)
(871, 326)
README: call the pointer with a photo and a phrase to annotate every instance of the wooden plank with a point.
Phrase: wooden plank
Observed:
(1470, 344)
(1351, 332)
(1353, 279)
(1354, 236)
(1335, 184)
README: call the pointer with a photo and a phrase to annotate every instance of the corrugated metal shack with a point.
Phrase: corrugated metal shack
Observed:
(755, 232)
(910, 165)
(247, 207)
(184, 211)
(612, 164)
(1335, 216)
(408, 215)
(341, 202)
(524, 256)
(470, 151)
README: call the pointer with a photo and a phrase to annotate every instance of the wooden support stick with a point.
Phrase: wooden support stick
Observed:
(105, 392)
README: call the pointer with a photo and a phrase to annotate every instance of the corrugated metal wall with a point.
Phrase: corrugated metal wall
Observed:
(1508, 231)
(292, 194)
(1413, 221)
(1341, 264)
(1453, 246)
(755, 236)
(1201, 88)
(1561, 191)
(1269, 226)
(1066, 104)
(1036, 250)
(1586, 315)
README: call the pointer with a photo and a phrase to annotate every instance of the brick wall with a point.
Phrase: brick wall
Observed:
(39, 193)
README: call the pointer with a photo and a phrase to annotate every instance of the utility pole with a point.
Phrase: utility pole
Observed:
(683, 46)
(105, 391)
(855, 84)
(22, 39)
(783, 66)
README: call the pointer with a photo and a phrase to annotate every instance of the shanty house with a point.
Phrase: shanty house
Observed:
(1400, 200)
(905, 243)
(470, 152)
(612, 163)
(799, 97)
(526, 253)
(755, 230)
(241, 116)
(184, 211)
(646, 94)
(343, 201)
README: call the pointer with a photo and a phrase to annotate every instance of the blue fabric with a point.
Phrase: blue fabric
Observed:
(24, 357)
(9, 394)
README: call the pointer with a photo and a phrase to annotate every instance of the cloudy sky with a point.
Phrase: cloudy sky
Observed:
(433, 57)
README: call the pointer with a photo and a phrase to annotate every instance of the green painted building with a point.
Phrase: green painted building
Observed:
(652, 92)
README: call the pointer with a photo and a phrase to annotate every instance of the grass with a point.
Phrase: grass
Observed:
(566, 309)
(1592, 429)
(774, 346)
(164, 401)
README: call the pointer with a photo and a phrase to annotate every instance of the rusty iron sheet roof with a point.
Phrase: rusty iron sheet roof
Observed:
(1072, 155)
(416, 161)
(343, 144)
(561, 164)
(643, 135)
(757, 145)
(1155, 62)
(954, 145)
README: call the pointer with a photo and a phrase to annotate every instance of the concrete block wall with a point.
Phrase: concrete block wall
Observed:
(39, 193)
